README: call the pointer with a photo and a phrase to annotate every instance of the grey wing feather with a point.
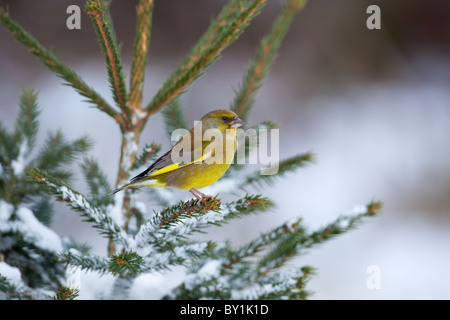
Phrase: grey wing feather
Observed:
(163, 161)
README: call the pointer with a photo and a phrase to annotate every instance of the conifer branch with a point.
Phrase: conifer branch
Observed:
(166, 256)
(98, 13)
(57, 152)
(22, 140)
(284, 166)
(174, 217)
(49, 60)
(264, 58)
(215, 270)
(11, 290)
(27, 126)
(284, 285)
(144, 12)
(66, 293)
(6, 146)
(125, 263)
(342, 224)
(98, 184)
(217, 26)
(84, 261)
(174, 117)
(203, 56)
(264, 240)
(215, 284)
(79, 203)
(293, 242)
(148, 154)
(178, 221)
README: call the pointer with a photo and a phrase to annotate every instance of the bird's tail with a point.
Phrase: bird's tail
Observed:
(137, 183)
(122, 188)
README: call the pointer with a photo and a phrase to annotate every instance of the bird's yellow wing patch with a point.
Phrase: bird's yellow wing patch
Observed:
(176, 166)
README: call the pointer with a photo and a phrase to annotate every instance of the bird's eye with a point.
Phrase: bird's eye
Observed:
(225, 119)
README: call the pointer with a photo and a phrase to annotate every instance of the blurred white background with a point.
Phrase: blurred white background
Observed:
(373, 105)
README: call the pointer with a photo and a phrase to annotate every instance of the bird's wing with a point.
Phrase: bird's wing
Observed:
(164, 161)
(166, 164)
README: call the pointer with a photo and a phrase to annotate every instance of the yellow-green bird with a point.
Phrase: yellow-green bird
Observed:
(195, 161)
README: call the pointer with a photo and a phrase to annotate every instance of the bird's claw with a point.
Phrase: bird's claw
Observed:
(200, 195)
(202, 198)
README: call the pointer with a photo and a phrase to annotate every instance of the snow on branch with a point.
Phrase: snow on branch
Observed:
(287, 284)
(177, 256)
(13, 287)
(291, 243)
(79, 203)
(30, 228)
(178, 221)
(265, 239)
(84, 261)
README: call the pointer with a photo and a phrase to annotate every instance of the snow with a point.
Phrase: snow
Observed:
(76, 200)
(180, 228)
(79, 202)
(138, 115)
(130, 149)
(6, 210)
(42, 236)
(86, 261)
(30, 227)
(141, 206)
(157, 260)
(357, 210)
(185, 251)
(94, 285)
(149, 286)
(145, 231)
(344, 221)
(18, 165)
(12, 273)
(115, 210)
(278, 282)
(154, 260)
(210, 270)
(155, 285)
(186, 226)
(73, 276)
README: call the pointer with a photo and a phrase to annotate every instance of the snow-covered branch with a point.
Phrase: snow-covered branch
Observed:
(81, 204)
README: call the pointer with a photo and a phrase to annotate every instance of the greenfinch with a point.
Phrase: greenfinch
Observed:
(198, 159)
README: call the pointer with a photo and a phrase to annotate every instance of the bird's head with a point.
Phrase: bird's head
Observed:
(221, 119)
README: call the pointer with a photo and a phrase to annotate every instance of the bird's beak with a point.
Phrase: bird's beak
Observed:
(236, 123)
